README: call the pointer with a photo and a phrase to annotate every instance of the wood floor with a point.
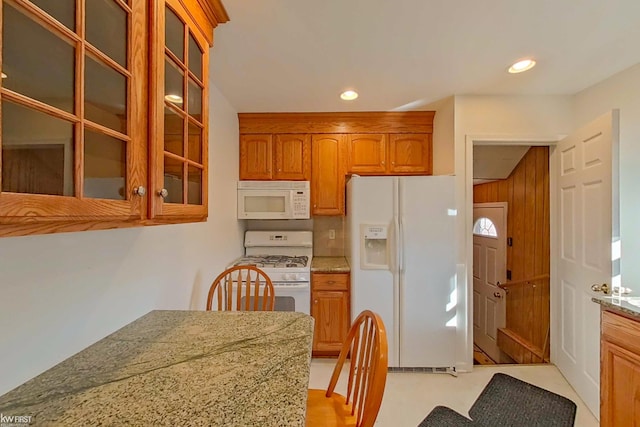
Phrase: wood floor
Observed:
(480, 358)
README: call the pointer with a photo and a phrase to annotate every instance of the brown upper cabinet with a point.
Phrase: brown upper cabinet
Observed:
(327, 174)
(179, 116)
(410, 154)
(390, 154)
(367, 153)
(80, 92)
(275, 157)
(275, 146)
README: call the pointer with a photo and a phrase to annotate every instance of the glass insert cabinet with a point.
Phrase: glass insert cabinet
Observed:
(103, 113)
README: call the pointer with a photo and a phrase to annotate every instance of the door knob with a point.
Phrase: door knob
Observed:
(163, 193)
(140, 191)
(497, 294)
(604, 288)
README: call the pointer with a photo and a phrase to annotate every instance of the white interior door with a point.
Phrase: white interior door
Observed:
(489, 268)
(584, 222)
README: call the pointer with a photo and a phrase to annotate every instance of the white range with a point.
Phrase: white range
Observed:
(285, 256)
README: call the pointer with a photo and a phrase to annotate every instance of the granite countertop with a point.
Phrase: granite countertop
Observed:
(181, 368)
(627, 305)
(330, 264)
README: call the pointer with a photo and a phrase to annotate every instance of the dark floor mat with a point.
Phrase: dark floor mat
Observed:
(508, 401)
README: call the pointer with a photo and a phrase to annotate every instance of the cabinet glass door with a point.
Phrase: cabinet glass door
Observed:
(67, 110)
(180, 162)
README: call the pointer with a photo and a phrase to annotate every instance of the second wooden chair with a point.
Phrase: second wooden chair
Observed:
(241, 288)
(366, 346)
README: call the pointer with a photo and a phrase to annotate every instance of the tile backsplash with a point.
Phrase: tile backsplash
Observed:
(320, 225)
(322, 244)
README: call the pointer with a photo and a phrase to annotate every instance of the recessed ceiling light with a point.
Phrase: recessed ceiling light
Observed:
(175, 99)
(520, 66)
(349, 95)
(4, 76)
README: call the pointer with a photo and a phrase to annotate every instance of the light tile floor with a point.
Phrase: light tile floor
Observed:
(409, 397)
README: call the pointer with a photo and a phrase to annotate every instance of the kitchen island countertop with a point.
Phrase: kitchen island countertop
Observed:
(329, 264)
(179, 368)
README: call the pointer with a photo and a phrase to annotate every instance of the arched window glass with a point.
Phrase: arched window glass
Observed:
(485, 227)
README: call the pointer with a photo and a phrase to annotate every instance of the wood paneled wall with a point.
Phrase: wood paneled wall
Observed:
(526, 191)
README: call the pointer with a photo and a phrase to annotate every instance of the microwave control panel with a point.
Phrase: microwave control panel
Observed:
(300, 201)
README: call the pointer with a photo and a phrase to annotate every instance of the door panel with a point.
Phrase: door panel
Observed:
(327, 174)
(427, 271)
(367, 153)
(410, 153)
(292, 157)
(489, 267)
(255, 157)
(584, 217)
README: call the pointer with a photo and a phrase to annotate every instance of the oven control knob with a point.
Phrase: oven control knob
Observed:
(294, 276)
(286, 276)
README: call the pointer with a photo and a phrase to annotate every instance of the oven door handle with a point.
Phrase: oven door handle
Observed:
(300, 286)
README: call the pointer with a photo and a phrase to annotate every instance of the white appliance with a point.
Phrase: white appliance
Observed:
(401, 246)
(273, 199)
(285, 256)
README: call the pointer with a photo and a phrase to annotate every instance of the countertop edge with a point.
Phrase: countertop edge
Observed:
(619, 305)
(330, 264)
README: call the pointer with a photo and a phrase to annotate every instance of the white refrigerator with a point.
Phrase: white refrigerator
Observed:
(401, 247)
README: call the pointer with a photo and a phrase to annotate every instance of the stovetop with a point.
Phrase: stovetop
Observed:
(274, 261)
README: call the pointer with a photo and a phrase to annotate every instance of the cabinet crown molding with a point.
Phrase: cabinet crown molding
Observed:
(207, 15)
(346, 122)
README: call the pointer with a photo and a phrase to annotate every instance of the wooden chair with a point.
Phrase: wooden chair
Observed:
(366, 344)
(242, 288)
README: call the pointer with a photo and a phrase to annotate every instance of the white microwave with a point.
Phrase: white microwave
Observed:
(273, 200)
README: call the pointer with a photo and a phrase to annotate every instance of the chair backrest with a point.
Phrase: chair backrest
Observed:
(366, 346)
(242, 288)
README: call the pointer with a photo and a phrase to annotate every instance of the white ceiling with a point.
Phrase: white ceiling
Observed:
(298, 55)
(494, 162)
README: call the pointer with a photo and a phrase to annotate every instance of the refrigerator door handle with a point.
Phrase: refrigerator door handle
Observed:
(397, 274)
(400, 247)
(400, 229)
(393, 247)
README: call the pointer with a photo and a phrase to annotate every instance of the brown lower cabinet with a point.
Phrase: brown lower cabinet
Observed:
(620, 371)
(330, 309)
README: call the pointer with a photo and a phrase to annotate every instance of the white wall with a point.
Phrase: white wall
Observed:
(61, 292)
(621, 92)
(443, 134)
(501, 119)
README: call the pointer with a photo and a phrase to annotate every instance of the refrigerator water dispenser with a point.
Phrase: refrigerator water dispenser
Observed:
(374, 247)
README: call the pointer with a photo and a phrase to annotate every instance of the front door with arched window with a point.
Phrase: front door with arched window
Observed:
(489, 268)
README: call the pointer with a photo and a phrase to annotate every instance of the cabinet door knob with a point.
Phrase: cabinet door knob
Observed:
(140, 191)
(163, 193)
(315, 301)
